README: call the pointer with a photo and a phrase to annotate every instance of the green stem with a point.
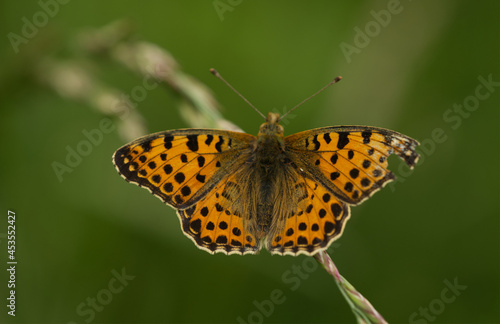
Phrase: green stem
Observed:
(360, 306)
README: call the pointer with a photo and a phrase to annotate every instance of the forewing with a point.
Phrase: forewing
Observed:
(351, 161)
(181, 166)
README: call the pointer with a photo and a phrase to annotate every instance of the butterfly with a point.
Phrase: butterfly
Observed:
(236, 193)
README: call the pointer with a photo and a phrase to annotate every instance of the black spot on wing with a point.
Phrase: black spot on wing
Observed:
(221, 239)
(201, 161)
(200, 178)
(146, 146)
(334, 175)
(179, 177)
(209, 139)
(218, 145)
(329, 227)
(343, 140)
(168, 141)
(185, 191)
(223, 225)
(168, 187)
(317, 144)
(301, 240)
(336, 209)
(168, 169)
(195, 225)
(334, 158)
(218, 207)
(192, 142)
(366, 137)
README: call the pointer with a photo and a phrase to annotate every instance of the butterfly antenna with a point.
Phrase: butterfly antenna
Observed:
(337, 79)
(214, 72)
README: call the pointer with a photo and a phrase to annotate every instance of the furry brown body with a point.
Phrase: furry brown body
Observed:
(266, 197)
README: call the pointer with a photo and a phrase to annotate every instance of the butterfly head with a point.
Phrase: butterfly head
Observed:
(271, 126)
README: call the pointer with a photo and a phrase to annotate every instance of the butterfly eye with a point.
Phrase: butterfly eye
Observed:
(264, 127)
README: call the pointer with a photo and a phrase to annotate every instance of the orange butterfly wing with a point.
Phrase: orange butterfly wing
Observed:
(336, 167)
(188, 169)
(351, 161)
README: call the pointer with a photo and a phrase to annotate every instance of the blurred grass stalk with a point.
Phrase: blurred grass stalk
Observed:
(73, 79)
(363, 310)
(198, 107)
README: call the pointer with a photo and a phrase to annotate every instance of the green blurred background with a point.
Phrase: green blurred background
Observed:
(401, 249)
